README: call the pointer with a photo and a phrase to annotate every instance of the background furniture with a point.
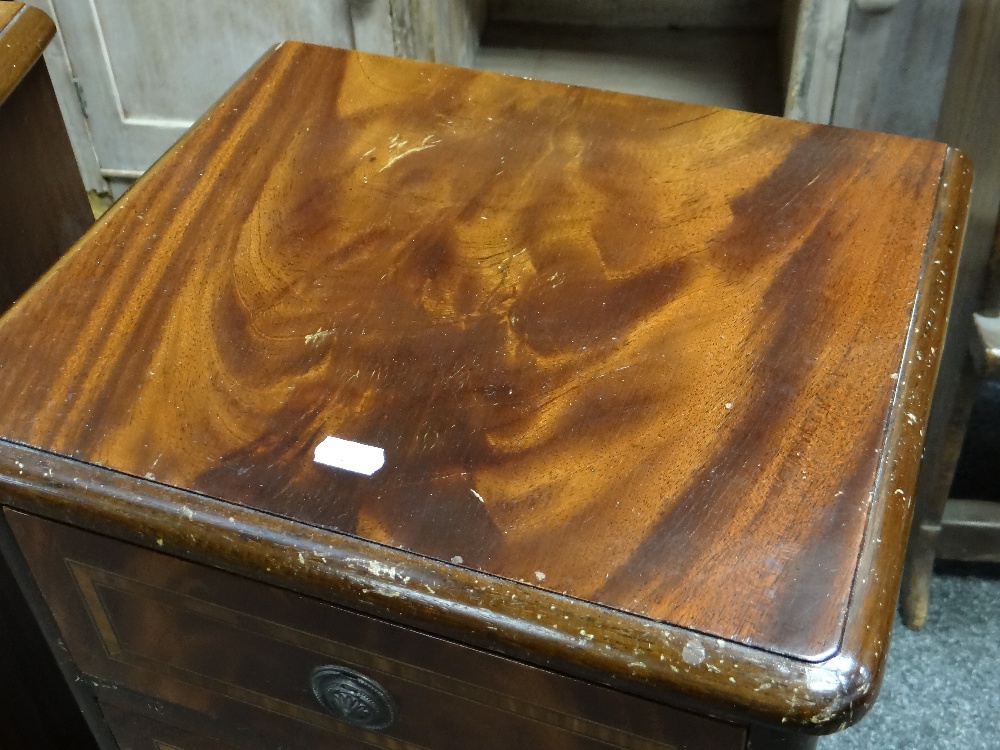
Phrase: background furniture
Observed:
(43, 209)
(961, 530)
(132, 75)
(872, 64)
(639, 483)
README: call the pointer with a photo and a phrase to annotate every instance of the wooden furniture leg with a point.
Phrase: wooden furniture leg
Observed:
(932, 497)
(956, 528)
(945, 527)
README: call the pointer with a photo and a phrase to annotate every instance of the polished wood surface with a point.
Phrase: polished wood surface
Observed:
(605, 359)
(698, 368)
(44, 208)
(241, 653)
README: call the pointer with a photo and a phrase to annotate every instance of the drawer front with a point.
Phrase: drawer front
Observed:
(244, 653)
(135, 729)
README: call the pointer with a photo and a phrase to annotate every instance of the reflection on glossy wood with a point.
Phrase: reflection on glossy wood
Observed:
(609, 345)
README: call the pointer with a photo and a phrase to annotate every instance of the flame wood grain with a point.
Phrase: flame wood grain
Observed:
(638, 352)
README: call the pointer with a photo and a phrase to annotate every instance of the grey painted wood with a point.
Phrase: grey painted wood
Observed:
(371, 24)
(971, 110)
(737, 70)
(641, 13)
(444, 31)
(812, 40)
(968, 120)
(148, 69)
(133, 75)
(970, 531)
(71, 104)
(894, 66)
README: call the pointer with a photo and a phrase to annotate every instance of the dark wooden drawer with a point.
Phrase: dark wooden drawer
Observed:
(242, 652)
(136, 728)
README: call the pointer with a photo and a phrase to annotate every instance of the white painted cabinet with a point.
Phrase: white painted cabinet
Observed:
(133, 75)
(147, 69)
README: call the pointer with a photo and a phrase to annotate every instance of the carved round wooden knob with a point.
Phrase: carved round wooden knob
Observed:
(352, 697)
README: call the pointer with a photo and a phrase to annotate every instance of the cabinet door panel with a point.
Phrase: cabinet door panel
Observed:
(171, 61)
(147, 68)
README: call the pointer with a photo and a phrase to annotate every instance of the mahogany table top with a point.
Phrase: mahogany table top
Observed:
(642, 354)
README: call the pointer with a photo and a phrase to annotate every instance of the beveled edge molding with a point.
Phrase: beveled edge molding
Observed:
(581, 639)
(861, 658)
(662, 662)
(23, 39)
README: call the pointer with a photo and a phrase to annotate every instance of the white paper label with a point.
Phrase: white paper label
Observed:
(349, 456)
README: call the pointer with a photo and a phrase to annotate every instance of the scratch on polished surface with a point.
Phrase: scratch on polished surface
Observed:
(427, 143)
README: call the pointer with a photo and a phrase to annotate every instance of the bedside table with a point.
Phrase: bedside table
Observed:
(407, 406)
